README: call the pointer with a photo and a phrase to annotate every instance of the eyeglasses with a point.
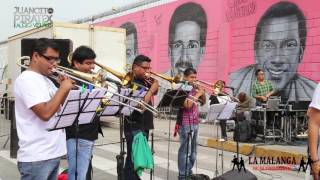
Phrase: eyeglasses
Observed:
(144, 67)
(51, 59)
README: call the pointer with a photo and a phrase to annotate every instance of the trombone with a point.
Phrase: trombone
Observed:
(89, 79)
(125, 80)
(216, 88)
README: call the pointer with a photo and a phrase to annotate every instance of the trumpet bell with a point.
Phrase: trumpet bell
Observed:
(218, 87)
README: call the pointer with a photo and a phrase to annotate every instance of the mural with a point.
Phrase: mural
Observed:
(279, 45)
(229, 39)
(187, 37)
(131, 42)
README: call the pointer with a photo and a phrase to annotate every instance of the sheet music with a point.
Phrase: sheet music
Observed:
(110, 110)
(137, 95)
(71, 107)
(227, 111)
(214, 111)
(91, 105)
(224, 99)
(73, 102)
(113, 106)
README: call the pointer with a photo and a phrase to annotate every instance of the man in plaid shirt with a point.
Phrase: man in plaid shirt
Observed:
(261, 89)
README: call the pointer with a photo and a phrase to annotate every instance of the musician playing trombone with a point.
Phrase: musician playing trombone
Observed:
(188, 125)
(219, 96)
(83, 60)
(36, 102)
(139, 121)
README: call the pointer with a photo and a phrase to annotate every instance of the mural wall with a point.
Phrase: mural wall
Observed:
(229, 40)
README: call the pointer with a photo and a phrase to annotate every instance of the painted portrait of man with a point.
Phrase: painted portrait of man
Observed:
(187, 37)
(131, 42)
(279, 46)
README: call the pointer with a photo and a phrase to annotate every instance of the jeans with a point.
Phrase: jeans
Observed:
(39, 170)
(192, 151)
(84, 154)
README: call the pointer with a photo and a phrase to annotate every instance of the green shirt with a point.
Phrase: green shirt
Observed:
(261, 90)
(141, 154)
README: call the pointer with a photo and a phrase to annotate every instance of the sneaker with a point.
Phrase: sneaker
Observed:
(223, 139)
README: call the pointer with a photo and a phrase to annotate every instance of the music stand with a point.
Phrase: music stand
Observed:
(221, 112)
(115, 104)
(78, 108)
(173, 99)
(213, 114)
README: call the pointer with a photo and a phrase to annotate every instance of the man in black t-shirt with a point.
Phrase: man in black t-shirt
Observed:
(82, 60)
(139, 121)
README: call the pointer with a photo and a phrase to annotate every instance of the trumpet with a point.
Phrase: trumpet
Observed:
(89, 79)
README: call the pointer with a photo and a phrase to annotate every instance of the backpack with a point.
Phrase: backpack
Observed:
(242, 131)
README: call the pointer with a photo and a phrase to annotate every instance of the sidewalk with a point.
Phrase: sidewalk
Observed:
(208, 137)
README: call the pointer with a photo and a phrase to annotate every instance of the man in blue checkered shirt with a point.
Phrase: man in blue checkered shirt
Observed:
(261, 89)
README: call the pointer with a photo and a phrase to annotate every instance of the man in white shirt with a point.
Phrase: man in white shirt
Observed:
(313, 128)
(36, 102)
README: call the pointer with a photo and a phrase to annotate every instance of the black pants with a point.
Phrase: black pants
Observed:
(130, 132)
(223, 126)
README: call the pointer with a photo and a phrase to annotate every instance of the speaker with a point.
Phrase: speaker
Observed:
(65, 47)
(235, 174)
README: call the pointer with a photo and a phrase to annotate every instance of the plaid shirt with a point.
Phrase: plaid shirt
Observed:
(261, 90)
(191, 116)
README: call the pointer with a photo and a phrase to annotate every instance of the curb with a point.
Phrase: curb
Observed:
(231, 146)
(253, 149)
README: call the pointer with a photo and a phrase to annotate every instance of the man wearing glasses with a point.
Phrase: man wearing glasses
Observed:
(187, 37)
(279, 46)
(139, 121)
(36, 102)
(261, 89)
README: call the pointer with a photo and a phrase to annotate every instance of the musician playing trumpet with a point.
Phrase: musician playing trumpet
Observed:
(188, 124)
(139, 121)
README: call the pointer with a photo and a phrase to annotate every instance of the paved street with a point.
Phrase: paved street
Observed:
(107, 148)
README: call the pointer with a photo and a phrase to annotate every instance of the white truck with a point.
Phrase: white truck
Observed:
(3, 67)
(107, 42)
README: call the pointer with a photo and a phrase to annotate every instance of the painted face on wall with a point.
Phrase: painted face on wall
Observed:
(131, 52)
(185, 49)
(279, 52)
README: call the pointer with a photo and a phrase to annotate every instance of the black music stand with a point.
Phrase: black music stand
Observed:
(78, 108)
(174, 99)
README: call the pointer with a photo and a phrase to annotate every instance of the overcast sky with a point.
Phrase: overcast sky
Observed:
(63, 10)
